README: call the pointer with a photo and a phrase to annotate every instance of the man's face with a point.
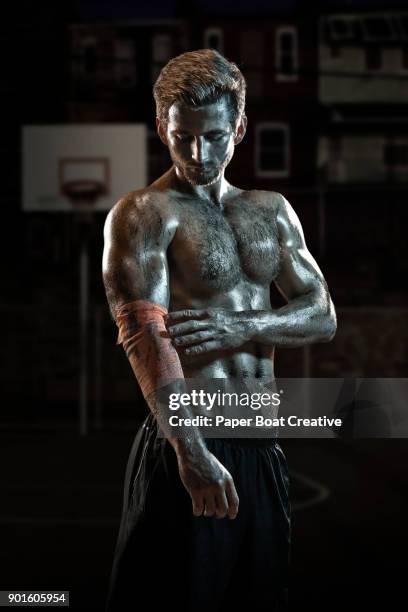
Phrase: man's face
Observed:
(200, 140)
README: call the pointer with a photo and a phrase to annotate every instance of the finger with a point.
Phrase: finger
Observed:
(198, 505)
(184, 314)
(210, 506)
(221, 505)
(186, 328)
(233, 499)
(194, 338)
(204, 347)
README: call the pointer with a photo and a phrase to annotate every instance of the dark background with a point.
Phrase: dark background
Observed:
(61, 481)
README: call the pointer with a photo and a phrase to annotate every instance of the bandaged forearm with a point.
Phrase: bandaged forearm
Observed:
(144, 337)
(155, 363)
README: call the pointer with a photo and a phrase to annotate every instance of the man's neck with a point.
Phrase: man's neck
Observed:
(214, 193)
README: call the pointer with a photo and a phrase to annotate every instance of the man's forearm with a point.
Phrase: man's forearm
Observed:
(305, 320)
(156, 365)
(188, 441)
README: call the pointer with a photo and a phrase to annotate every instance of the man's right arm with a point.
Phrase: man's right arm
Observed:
(136, 279)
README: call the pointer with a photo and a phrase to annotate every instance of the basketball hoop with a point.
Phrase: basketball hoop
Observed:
(83, 180)
(83, 193)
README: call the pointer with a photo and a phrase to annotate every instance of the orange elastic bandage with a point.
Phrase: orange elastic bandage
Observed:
(154, 359)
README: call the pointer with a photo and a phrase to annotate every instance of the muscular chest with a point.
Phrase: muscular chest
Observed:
(219, 248)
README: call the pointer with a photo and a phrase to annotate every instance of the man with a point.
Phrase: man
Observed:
(187, 266)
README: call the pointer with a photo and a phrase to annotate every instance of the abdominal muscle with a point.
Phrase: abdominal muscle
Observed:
(240, 365)
(246, 371)
(251, 361)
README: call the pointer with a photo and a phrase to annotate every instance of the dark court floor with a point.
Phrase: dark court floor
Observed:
(61, 499)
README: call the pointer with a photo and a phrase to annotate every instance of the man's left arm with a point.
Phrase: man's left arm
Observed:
(308, 317)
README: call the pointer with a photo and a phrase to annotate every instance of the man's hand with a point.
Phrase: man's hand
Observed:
(210, 485)
(211, 329)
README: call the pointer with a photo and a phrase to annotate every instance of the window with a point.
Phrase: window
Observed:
(272, 150)
(252, 57)
(335, 51)
(395, 159)
(162, 51)
(286, 54)
(125, 67)
(162, 48)
(396, 154)
(85, 61)
(341, 29)
(213, 39)
(335, 160)
(90, 59)
(378, 29)
(373, 57)
(402, 22)
(404, 57)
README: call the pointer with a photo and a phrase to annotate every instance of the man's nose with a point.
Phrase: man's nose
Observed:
(199, 150)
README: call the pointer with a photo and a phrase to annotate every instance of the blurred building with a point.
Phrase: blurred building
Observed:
(278, 58)
(363, 62)
(113, 68)
(363, 148)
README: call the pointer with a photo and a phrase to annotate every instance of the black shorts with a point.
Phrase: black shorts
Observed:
(168, 557)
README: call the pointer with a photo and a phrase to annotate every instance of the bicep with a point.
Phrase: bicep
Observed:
(299, 273)
(134, 264)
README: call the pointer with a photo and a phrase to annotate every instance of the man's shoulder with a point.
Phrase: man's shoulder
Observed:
(283, 214)
(138, 206)
(265, 198)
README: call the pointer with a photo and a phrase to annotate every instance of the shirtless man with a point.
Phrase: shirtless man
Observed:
(198, 255)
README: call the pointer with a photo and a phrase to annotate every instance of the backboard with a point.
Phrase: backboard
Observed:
(86, 166)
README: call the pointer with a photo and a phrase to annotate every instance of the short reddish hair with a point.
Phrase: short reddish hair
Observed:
(197, 78)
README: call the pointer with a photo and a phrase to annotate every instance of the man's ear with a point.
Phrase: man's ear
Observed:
(241, 129)
(161, 131)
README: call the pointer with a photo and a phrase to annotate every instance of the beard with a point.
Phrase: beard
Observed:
(205, 176)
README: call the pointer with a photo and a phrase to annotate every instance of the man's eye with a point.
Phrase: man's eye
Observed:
(218, 137)
(210, 137)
